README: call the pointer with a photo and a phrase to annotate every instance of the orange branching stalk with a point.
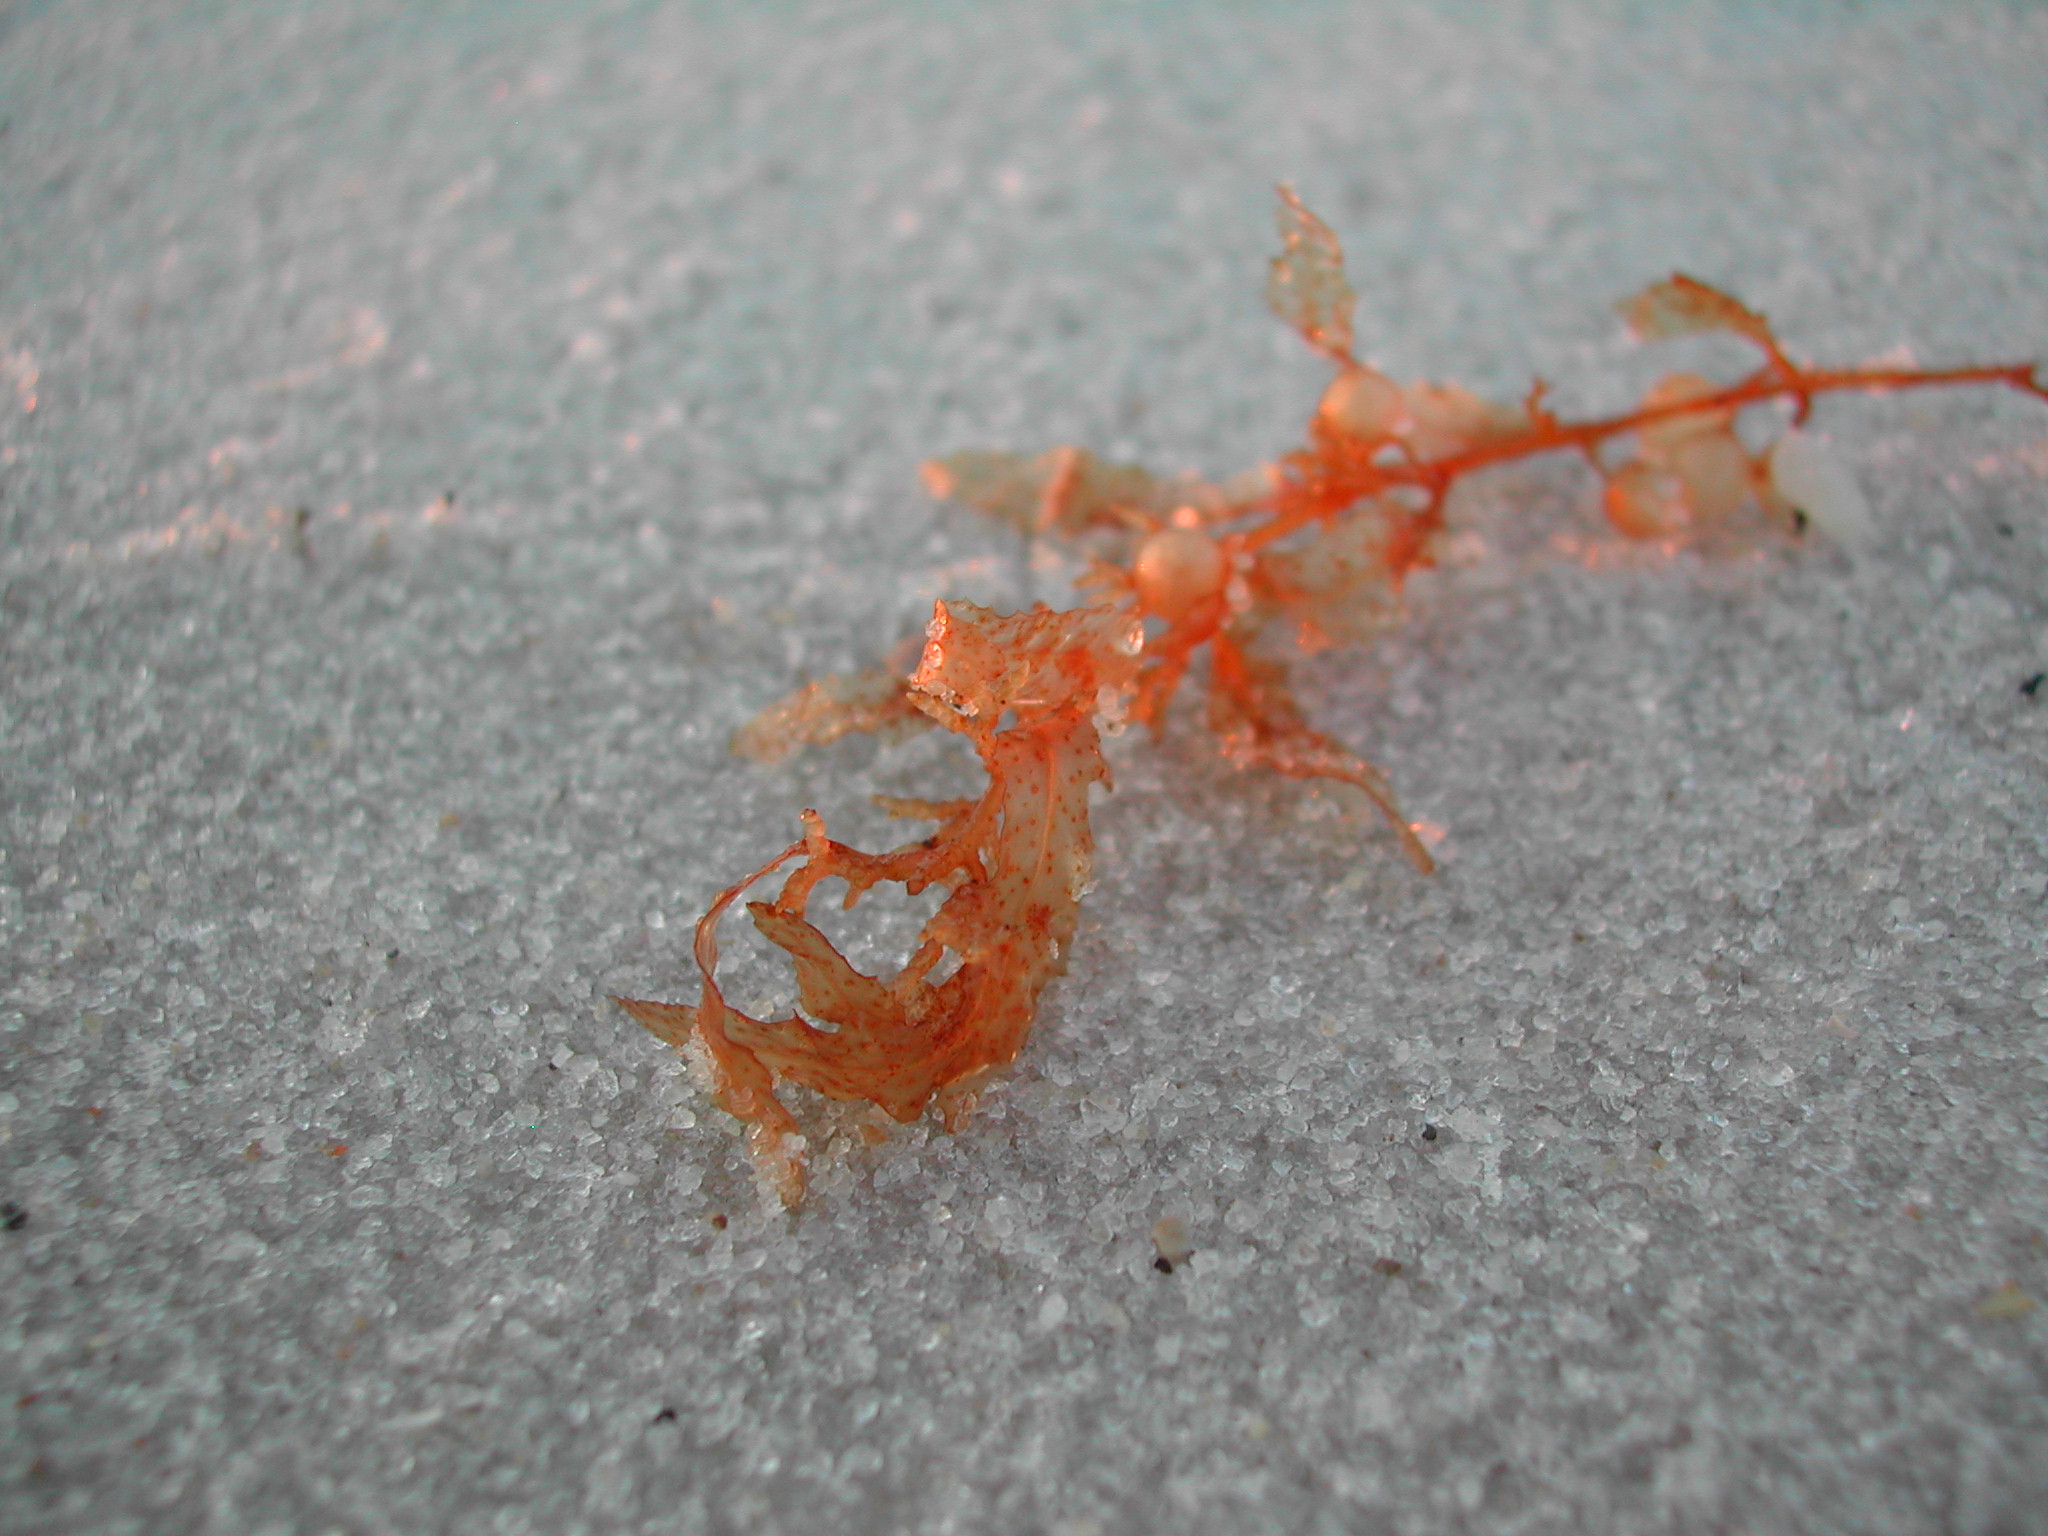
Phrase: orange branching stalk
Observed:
(1317, 547)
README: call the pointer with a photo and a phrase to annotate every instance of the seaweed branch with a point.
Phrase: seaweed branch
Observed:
(1316, 546)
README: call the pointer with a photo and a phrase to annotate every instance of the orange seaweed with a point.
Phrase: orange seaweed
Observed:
(1025, 690)
(1316, 546)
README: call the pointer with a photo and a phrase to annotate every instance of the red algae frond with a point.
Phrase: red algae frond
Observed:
(1306, 285)
(874, 701)
(1014, 865)
(1196, 580)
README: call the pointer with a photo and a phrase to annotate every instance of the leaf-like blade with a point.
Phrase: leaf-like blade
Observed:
(1062, 490)
(1259, 724)
(1685, 306)
(827, 986)
(825, 710)
(1306, 285)
(1342, 583)
(1009, 486)
(671, 1023)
